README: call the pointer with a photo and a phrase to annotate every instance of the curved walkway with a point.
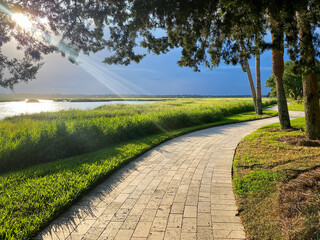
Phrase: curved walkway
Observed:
(181, 189)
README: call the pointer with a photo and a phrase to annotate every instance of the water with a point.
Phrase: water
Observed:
(8, 109)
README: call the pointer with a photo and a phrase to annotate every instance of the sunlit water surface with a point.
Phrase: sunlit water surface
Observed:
(8, 109)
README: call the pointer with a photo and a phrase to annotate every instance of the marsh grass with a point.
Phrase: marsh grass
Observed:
(11, 99)
(108, 99)
(44, 137)
(31, 198)
(264, 168)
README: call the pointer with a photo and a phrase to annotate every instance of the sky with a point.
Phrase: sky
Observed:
(154, 75)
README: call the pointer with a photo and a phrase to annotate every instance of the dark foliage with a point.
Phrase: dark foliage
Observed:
(292, 81)
(69, 21)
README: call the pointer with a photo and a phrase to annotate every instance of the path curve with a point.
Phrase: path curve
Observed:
(181, 189)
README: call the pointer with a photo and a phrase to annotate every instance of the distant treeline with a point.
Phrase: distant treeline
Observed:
(84, 96)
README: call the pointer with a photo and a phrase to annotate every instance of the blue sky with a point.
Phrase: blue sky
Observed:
(156, 74)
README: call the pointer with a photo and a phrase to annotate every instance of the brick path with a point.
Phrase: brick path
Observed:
(181, 189)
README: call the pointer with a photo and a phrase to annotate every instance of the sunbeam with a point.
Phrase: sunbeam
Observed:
(112, 81)
(98, 75)
(100, 72)
(5, 10)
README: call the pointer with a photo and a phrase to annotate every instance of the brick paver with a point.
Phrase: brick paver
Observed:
(181, 189)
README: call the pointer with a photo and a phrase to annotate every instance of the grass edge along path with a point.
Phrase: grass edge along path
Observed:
(272, 203)
(30, 199)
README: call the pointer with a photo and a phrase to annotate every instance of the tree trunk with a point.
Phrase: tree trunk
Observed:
(309, 77)
(278, 70)
(258, 85)
(253, 91)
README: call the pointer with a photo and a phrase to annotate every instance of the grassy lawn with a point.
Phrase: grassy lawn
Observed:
(295, 106)
(276, 181)
(32, 197)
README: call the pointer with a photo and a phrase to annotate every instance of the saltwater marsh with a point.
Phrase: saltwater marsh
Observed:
(44, 137)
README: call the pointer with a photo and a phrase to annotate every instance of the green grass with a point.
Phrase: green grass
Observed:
(31, 198)
(264, 164)
(107, 99)
(45, 137)
(295, 106)
(11, 99)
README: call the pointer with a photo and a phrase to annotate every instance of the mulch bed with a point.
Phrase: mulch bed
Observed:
(283, 130)
(299, 206)
(299, 140)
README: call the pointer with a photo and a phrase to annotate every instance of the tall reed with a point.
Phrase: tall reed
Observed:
(39, 138)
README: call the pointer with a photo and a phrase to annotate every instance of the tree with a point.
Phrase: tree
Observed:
(256, 93)
(258, 76)
(208, 32)
(247, 69)
(304, 45)
(308, 66)
(292, 81)
(277, 17)
(44, 27)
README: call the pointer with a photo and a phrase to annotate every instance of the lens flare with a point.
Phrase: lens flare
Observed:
(112, 81)
(23, 21)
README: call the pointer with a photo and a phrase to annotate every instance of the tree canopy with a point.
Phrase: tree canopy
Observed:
(205, 31)
(52, 26)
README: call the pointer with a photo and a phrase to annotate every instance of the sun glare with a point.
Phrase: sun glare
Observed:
(23, 21)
